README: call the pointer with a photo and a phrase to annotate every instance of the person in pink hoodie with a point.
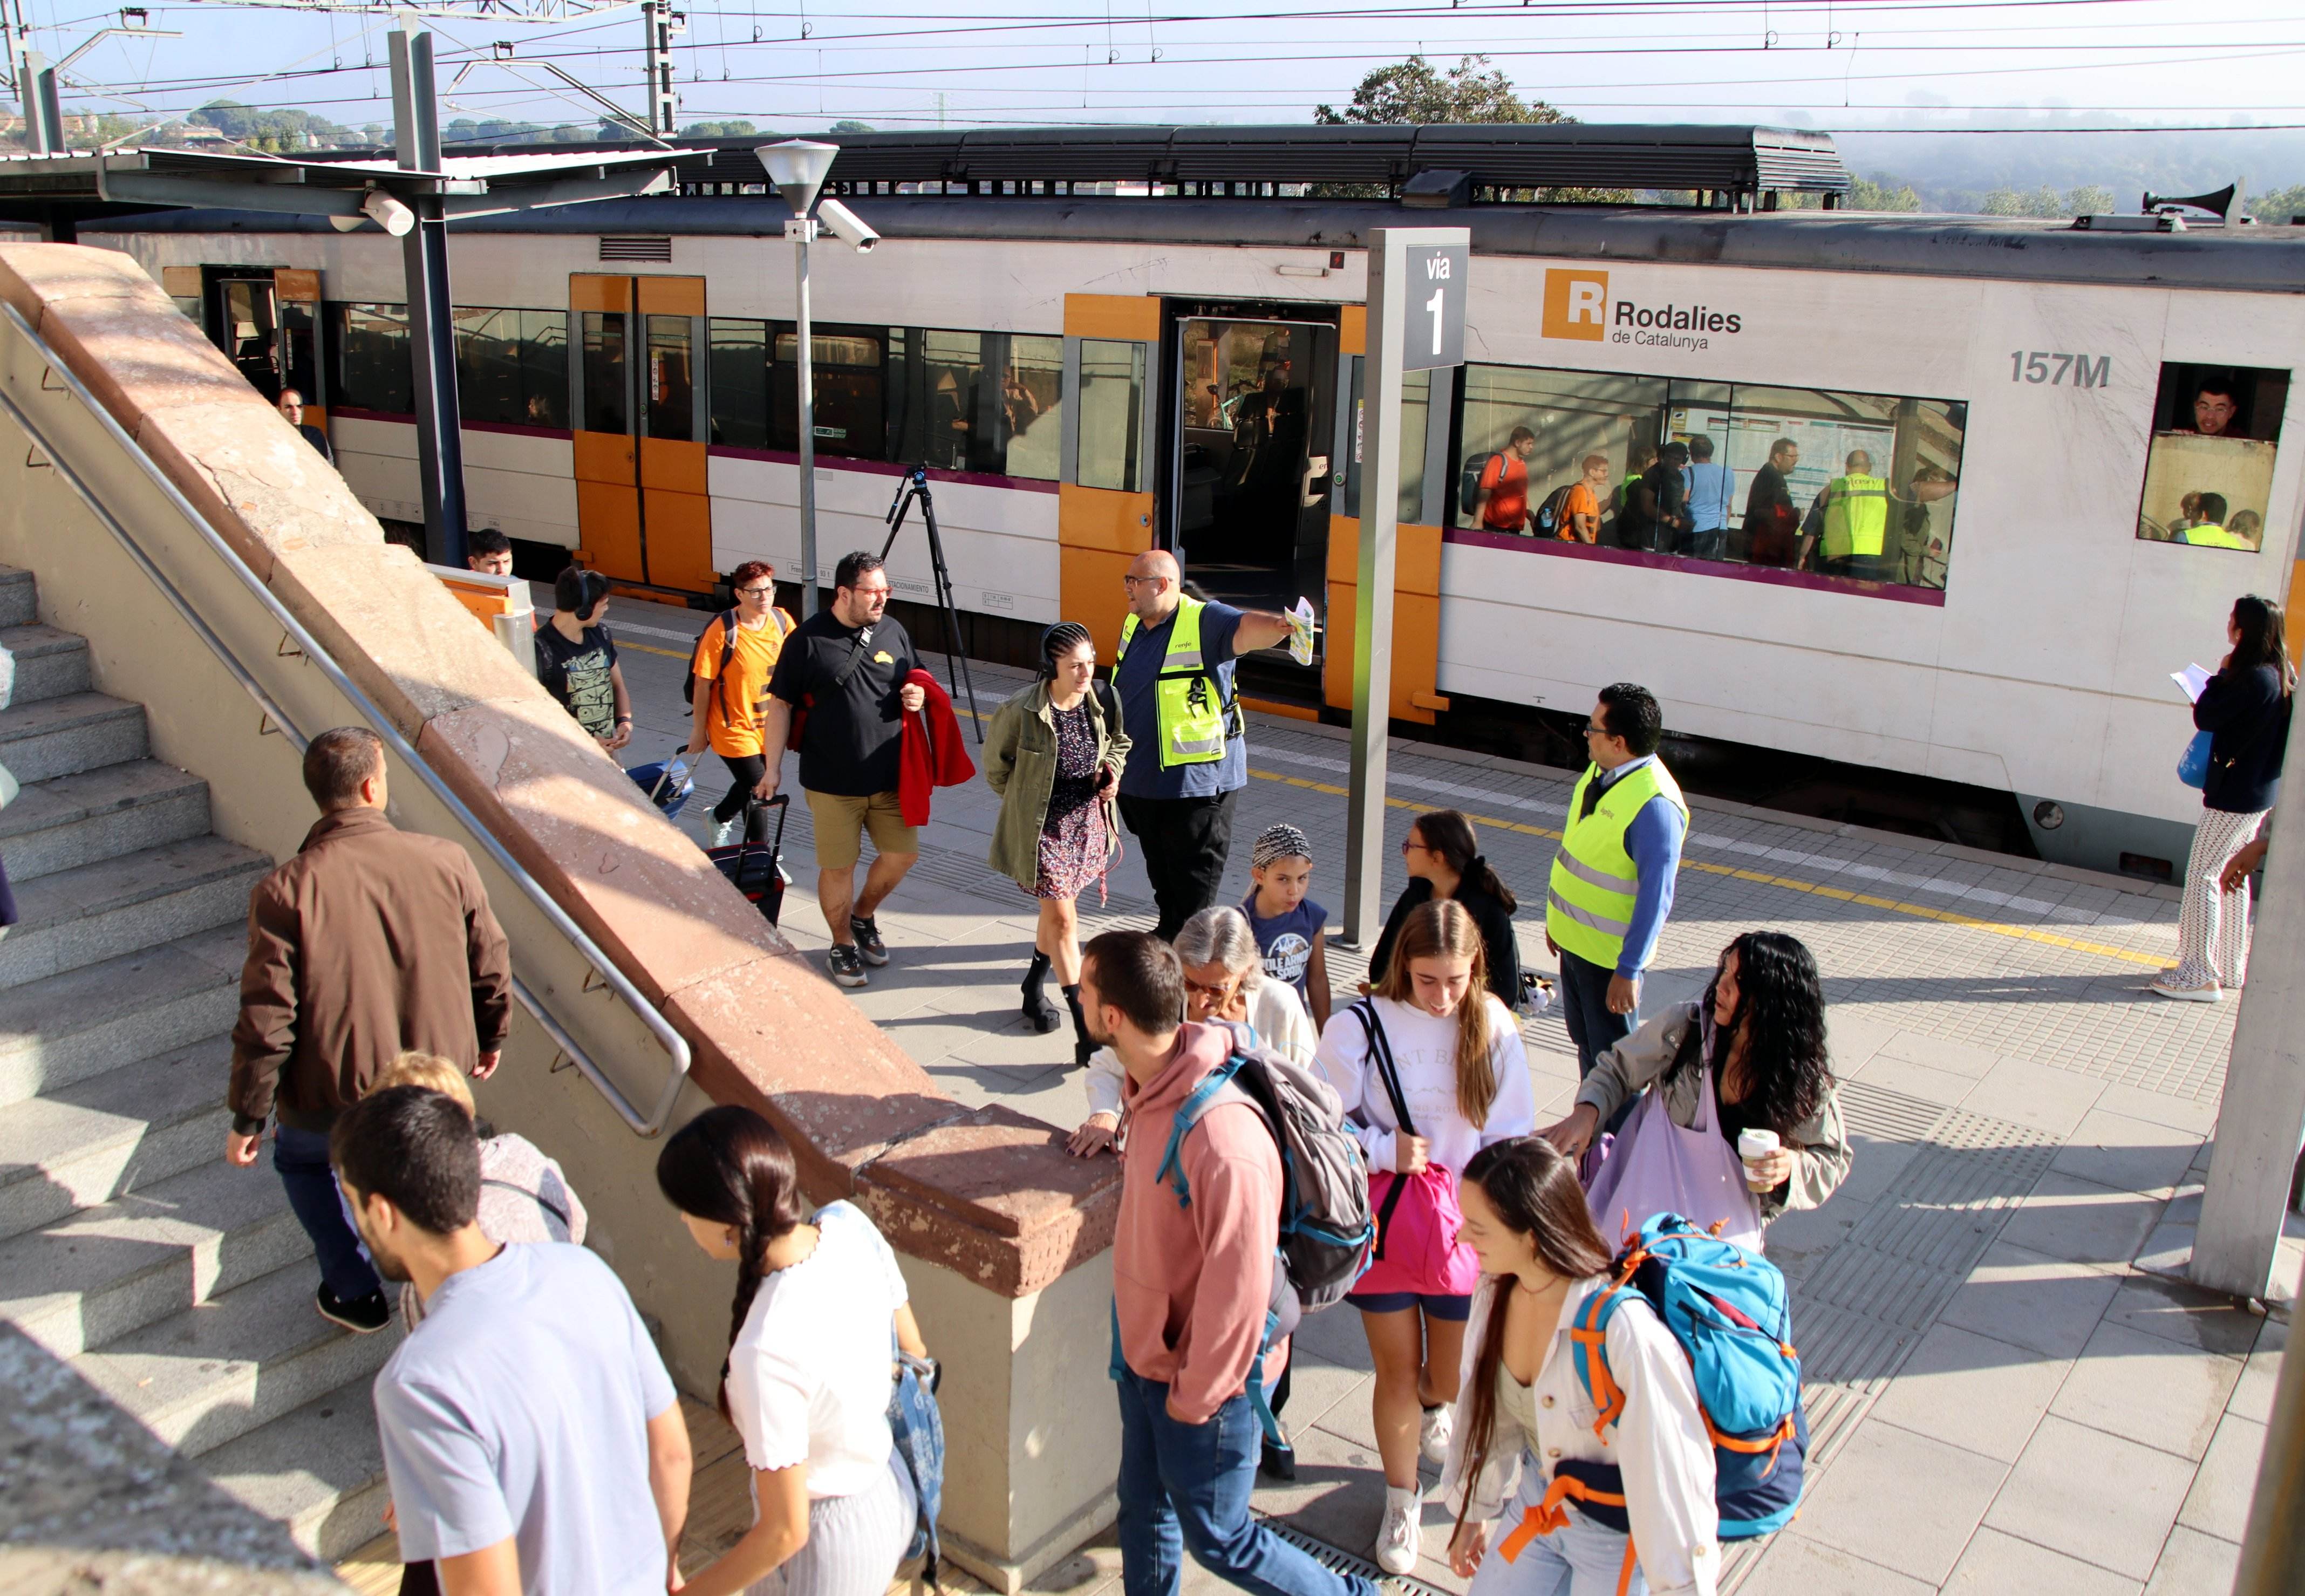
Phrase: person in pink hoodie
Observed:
(1191, 1285)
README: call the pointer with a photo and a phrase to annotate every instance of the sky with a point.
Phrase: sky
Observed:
(914, 64)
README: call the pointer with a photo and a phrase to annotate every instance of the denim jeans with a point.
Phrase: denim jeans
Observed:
(1584, 1008)
(1186, 1488)
(1579, 1558)
(301, 1157)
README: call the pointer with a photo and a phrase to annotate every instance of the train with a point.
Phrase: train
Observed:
(1102, 341)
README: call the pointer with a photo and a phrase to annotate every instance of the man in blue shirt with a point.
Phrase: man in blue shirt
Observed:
(1711, 488)
(1602, 925)
(1187, 757)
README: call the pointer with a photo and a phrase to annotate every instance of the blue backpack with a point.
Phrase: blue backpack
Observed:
(917, 1427)
(1727, 1309)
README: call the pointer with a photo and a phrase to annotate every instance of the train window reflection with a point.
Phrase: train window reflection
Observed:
(1032, 406)
(512, 366)
(1848, 487)
(2208, 475)
(372, 360)
(1111, 415)
(1416, 400)
(738, 356)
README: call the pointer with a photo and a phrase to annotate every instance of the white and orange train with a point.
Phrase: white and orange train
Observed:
(1114, 341)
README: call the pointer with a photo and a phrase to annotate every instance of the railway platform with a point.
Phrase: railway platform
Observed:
(2010, 1386)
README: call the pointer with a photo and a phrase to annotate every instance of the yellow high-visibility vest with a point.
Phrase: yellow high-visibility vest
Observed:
(1589, 909)
(1856, 516)
(2209, 535)
(1187, 697)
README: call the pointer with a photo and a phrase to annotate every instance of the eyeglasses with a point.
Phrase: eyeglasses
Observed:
(1594, 728)
(767, 587)
(1220, 991)
(1130, 581)
(1408, 843)
(880, 592)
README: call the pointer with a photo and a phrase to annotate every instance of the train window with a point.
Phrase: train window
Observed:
(956, 436)
(2208, 475)
(1416, 403)
(1032, 406)
(372, 360)
(1111, 415)
(670, 411)
(849, 371)
(1855, 487)
(512, 366)
(606, 395)
(738, 352)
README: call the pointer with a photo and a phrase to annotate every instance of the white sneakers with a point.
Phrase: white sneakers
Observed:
(2208, 992)
(1395, 1533)
(724, 832)
(1432, 1432)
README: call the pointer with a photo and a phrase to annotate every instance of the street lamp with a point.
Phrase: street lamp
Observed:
(797, 167)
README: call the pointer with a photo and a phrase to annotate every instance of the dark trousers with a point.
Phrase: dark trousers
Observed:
(1185, 1488)
(302, 1158)
(1186, 842)
(1585, 1005)
(748, 768)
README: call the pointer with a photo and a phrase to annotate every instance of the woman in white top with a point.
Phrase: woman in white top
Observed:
(810, 1365)
(1224, 980)
(1463, 1077)
(1541, 1258)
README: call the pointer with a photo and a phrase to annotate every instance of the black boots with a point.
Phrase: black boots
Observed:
(1082, 1046)
(1039, 1012)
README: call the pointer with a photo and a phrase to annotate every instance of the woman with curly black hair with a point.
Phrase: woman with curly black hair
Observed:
(1758, 1032)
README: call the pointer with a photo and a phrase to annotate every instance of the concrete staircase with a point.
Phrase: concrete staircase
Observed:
(177, 1286)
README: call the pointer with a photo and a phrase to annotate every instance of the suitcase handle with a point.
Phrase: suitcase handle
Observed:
(782, 804)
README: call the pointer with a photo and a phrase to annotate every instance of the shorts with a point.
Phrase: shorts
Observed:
(1448, 1310)
(841, 822)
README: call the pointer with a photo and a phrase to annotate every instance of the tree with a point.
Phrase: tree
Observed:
(718, 130)
(1882, 192)
(1411, 91)
(2046, 201)
(2279, 205)
(848, 126)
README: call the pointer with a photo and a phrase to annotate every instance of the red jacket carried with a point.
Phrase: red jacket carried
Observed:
(933, 754)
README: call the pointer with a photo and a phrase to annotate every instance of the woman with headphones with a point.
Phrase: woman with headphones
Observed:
(1054, 754)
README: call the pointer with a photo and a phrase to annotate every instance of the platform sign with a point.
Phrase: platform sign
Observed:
(1433, 333)
(1419, 280)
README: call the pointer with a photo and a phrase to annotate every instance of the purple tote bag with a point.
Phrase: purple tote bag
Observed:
(1656, 1168)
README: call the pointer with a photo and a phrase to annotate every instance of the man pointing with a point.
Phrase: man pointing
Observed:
(1187, 760)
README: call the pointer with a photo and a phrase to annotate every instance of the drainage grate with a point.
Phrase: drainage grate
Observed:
(1347, 1563)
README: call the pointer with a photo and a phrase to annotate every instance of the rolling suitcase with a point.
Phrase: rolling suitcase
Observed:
(754, 868)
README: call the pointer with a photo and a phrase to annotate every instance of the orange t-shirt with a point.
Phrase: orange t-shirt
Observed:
(733, 723)
(1506, 478)
(1581, 502)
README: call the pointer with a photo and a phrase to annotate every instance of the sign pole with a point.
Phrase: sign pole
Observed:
(1417, 286)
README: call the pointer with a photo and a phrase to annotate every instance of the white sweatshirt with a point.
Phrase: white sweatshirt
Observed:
(1424, 1054)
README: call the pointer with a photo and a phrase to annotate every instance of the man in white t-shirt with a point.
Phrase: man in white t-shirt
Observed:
(532, 1440)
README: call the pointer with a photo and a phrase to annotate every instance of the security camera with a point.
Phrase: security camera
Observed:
(846, 225)
(389, 213)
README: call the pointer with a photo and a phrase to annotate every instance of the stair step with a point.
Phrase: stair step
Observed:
(214, 1371)
(82, 1023)
(79, 731)
(318, 1470)
(48, 662)
(97, 911)
(112, 1135)
(19, 596)
(107, 1271)
(77, 819)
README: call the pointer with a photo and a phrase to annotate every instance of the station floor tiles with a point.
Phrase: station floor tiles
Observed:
(2007, 1388)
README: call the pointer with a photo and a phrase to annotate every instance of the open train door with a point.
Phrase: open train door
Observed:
(644, 508)
(1104, 499)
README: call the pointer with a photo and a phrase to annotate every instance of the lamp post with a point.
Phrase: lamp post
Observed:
(797, 167)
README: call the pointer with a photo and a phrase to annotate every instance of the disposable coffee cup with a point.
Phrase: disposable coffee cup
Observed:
(1754, 1145)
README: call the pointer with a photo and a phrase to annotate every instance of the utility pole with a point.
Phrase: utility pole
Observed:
(663, 104)
(431, 329)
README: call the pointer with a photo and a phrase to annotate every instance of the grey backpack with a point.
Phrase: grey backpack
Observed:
(1325, 1227)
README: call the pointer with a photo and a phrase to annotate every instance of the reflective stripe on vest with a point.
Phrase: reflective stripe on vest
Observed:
(1589, 909)
(1188, 701)
(1856, 516)
(2210, 535)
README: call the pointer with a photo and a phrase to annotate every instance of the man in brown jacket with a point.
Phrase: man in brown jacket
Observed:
(371, 941)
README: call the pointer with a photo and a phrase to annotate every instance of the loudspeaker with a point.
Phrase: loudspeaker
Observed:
(2222, 202)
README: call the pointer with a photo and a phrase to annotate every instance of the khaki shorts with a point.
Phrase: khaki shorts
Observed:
(841, 821)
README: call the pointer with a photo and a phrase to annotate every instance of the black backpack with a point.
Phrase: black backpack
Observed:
(1553, 515)
(777, 617)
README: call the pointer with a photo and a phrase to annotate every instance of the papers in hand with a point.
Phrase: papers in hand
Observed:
(1300, 631)
(2192, 679)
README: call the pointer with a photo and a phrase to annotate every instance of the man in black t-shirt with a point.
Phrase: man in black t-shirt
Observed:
(846, 668)
(1771, 525)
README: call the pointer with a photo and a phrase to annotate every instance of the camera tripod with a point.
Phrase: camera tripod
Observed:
(915, 486)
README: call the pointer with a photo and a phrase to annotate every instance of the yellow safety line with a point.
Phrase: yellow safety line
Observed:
(1814, 888)
(643, 648)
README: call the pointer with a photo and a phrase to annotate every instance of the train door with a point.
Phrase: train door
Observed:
(644, 508)
(243, 320)
(1254, 417)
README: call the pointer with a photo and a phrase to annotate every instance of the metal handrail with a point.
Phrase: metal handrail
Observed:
(616, 981)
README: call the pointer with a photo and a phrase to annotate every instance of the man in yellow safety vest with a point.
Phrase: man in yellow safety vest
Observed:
(1852, 515)
(1611, 887)
(2210, 531)
(1173, 672)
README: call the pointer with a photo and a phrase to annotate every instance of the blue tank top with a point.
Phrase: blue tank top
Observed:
(1286, 941)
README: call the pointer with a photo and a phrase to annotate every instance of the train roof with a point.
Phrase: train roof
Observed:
(2253, 258)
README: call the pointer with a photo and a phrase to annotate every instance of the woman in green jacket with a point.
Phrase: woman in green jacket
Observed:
(1054, 754)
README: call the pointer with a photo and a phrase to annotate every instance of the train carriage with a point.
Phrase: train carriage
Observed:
(1156, 337)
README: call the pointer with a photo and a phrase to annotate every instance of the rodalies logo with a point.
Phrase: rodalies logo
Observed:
(1578, 305)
